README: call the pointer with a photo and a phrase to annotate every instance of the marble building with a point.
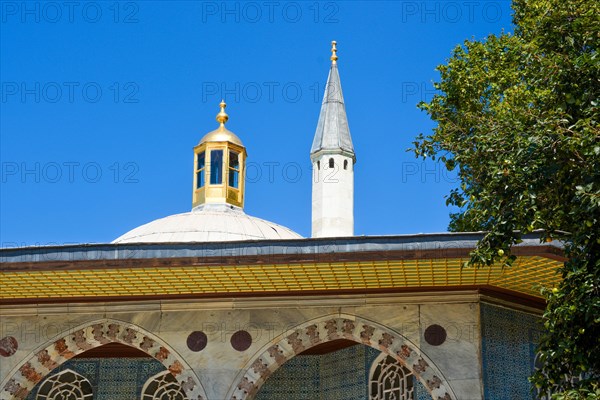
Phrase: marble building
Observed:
(216, 304)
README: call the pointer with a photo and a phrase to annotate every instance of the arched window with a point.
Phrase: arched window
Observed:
(345, 164)
(319, 165)
(389, 380)
(67, 384)
(162, 386)
(331, 163)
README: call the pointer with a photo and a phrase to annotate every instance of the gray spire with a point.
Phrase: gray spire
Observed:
(332, 130)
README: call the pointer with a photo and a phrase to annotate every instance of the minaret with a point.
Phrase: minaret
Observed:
(219, 167)
(332, 156)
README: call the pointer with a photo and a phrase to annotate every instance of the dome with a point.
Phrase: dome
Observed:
(211, 223)
(221, 134)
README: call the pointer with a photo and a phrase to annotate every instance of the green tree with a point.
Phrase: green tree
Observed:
(517, 116)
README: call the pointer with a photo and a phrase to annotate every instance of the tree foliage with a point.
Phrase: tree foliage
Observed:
(517, 116)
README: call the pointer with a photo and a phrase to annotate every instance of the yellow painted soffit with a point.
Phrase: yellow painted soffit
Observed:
(527, 276)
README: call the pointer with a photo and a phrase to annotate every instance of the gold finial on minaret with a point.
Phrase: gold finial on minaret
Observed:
(334, 56)
(222, 116)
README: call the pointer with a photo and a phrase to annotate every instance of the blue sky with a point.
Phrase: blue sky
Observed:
(102, 103)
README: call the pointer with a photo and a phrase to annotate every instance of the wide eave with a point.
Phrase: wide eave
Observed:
(371, 264)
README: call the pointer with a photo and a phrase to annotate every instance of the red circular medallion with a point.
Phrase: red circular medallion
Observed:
(241, 340)
(197, 340)
(8, 346)
(435, 335)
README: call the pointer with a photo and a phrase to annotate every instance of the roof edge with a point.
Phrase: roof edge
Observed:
(307, 247)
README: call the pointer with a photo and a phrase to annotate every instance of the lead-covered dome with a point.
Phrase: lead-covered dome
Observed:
(211, 223)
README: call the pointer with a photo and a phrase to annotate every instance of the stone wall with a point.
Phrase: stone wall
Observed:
(340, 375)
(223, 348)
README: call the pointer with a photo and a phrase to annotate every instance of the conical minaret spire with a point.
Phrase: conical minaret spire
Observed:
(333, 158)
(332, 129)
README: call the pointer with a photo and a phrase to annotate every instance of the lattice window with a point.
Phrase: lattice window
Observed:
(163, 386)
(390, 380)
(66, 385)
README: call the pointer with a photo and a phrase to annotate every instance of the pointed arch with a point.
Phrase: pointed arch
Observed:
(39, 363)
(333, 327)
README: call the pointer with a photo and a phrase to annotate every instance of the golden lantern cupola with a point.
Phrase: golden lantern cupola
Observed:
(219, 167)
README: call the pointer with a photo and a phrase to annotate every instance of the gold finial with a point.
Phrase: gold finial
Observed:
(222, 116)
(334, 56)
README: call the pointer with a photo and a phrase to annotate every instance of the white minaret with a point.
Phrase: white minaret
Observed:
(332, 156)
